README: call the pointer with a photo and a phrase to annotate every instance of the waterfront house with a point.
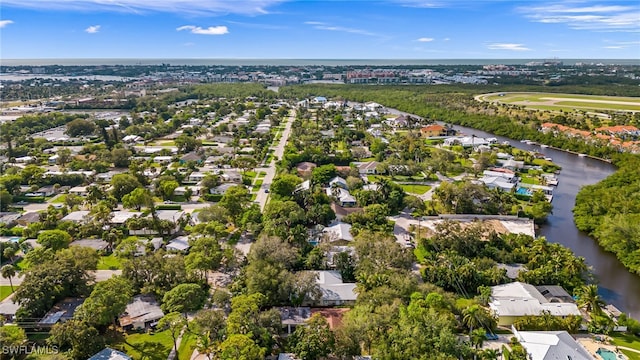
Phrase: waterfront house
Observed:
(510, 302)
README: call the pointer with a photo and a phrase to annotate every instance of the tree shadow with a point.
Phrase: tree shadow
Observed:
(152, 350)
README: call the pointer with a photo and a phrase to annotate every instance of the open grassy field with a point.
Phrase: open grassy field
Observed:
(565, 102)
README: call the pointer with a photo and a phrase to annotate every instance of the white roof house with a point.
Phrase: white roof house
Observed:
(180, 243)
(77, 216)
(510, 177)
(79, 190)
(338, 232)
(518, 299)
(339, 182)
(343, 196)
(304, 186)
(334, 291)
(110, 354)
(466, 141)
(494, 182)
(551, 345)
(120, 217)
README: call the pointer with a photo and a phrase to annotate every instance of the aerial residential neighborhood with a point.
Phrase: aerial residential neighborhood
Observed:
(224, 219)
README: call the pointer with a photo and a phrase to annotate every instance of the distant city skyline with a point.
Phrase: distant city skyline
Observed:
(279, 29)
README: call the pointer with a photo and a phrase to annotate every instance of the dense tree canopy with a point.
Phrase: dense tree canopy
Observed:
(610, 211)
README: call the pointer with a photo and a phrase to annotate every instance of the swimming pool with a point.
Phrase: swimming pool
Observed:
(606, 354)
(523, 191)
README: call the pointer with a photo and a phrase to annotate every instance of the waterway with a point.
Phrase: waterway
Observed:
(617, 285)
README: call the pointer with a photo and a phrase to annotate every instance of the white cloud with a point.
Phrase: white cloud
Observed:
(197, 7)
(446, 39)
(428, 4)
(319, 25)
(211, 30)
(257, 25)
(92, 29)
(425, 39)
(587, 17)
(507, 46)
(621, 44)
(4, 23)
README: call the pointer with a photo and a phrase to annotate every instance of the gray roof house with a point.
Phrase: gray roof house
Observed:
(142, 312)
(512, 301)
(551, 345)
(335, 292)
(110, 354)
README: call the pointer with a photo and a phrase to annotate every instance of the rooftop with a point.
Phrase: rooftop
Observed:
(552, 345)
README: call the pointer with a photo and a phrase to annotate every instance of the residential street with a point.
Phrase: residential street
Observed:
(262, 196)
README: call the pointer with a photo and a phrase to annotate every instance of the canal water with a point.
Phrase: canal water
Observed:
(617, 285)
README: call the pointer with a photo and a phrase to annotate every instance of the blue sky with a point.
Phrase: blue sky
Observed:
(390, 29)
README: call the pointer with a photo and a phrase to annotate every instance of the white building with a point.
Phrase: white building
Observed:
(513, 301)
(334, 291)
(551, 345)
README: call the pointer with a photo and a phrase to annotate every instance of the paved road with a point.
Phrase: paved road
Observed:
(262, 196)
(101, 275)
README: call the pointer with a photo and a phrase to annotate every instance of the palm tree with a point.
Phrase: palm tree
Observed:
(490, 354)
(589, 298)
(8, 271)
(206, 346)
(477, 337)
(476, 316)
(471, 317)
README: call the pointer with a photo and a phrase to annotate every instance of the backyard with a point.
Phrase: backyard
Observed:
(629, 341)
(110, 262)
(152, 346)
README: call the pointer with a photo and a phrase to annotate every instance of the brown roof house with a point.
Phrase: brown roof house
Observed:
(305, 168)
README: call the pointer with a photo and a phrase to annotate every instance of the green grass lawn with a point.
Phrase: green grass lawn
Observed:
(59, 199)
(257, 185)
(415, 189)
(629, 341)
(5, 291)
(529, 180)
(261, 174)
(376, 178)
(110, 262)
(187, 345)
(153, 346)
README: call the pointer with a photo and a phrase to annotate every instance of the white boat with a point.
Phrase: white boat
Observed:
(582, 155)
(525, 141)
(544, 146)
